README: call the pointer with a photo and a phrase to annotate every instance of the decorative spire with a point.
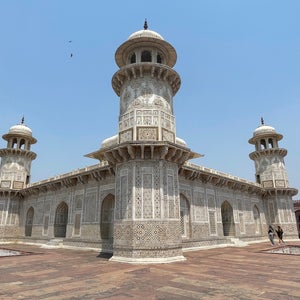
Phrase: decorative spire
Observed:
(22, 121)
(262, 121)
(145, 24)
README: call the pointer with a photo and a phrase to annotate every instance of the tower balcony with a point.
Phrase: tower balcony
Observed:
(140, 70)
(19, 152)
(268, 152)
(144, 151)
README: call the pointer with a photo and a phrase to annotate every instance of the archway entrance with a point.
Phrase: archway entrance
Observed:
(184, 217)
(107, 217)
(29, 221)
(61, 220)
(227, 219)
(256, 217)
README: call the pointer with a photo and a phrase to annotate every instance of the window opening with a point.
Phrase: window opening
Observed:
(22, 144)
(158, 59)
(146, 56)
(271, 143)
(14, 143)
(263, 144)
(133, 58)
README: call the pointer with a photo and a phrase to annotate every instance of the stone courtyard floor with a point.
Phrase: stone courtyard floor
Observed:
(221, 273)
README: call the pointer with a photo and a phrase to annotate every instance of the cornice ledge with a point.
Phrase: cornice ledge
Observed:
(217, 178)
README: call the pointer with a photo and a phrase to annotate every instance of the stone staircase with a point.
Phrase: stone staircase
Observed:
(55, 243)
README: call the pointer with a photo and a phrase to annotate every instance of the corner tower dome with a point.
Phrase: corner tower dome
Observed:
(16, 158)
(264, 131)
(20, 130)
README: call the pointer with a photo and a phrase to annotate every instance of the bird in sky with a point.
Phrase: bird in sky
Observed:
(71, 55)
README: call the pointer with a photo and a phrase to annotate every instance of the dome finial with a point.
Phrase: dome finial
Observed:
(22, 121)
(262, 121)
(145, 24)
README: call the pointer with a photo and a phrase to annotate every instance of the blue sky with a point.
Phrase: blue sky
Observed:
(238, 61)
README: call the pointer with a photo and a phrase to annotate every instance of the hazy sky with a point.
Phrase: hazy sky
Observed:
(238, 61)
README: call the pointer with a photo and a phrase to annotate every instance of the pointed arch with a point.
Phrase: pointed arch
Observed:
(107, 217)
(185, 219)
(29, 221)
(227, 219)
(257, 221)
(61, 220)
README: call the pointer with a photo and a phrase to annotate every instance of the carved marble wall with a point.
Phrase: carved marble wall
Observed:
(14, 171)
(272, 171)
(146, 113)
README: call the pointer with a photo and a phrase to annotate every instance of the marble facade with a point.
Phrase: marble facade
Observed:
(144, 202)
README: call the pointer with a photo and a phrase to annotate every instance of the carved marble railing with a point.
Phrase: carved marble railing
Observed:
(217, 178)
(69, 174)
(219, 173)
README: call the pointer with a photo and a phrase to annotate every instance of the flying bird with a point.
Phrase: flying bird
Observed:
(71, 55)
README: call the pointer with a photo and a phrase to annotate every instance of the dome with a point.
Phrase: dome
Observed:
(263, 130)
(20, 129)
(109, 142)
(180, 141)
(145, 33)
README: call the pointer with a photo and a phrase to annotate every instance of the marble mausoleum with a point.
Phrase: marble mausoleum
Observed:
(144, 201)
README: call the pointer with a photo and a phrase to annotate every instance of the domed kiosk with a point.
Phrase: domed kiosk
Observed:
(17, 157)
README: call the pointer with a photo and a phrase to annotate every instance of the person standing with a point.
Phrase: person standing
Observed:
(279, 232)
(271, 234)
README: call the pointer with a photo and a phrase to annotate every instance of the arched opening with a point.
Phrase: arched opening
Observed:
(184, 217)
(256, 217)
(133, 58)
(22, 144)
(107, 217)
(29, 221)
(61, 220)
(271, 144)
(263, 144)
(14, 143)
(227, 219)
(146, 56)
(158, 59)
(258, 178)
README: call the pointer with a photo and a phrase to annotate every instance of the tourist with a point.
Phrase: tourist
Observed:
(271, 234)
(279, 232)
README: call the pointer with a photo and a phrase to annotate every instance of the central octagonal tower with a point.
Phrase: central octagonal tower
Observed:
(146, 154)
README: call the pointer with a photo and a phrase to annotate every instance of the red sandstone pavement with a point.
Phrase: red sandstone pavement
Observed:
(221, 273)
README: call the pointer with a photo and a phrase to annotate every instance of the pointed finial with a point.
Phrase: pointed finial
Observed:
(22, 121)
(145, 24)
(262, 121)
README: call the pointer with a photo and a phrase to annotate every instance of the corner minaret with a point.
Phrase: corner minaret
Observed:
(272, 175)
(146, 154)
(16, 157)
(268, 157)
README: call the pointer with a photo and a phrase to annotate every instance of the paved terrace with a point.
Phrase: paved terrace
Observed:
(220, 273)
